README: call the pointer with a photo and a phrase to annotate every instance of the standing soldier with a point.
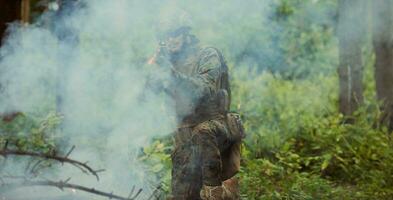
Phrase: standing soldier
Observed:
(206, 153)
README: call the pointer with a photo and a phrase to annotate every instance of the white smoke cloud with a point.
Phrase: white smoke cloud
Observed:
(94, 57)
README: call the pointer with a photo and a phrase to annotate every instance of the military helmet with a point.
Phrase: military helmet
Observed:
(173, 24)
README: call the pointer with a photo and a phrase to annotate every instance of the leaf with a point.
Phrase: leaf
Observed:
(157, 168)
(374, 156)
(324, 165)
(326, 161)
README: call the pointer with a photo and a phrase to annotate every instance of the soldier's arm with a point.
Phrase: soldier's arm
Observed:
(202, 84)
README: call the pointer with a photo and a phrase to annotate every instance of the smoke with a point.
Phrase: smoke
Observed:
(88, 61)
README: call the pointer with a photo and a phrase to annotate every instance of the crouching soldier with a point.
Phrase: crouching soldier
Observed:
(206, 153)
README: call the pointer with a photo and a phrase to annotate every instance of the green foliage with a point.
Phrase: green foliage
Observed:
(262, 179)
(304, 38)
(275, 108)
(32, 134)
(157, 158)
(299, 148)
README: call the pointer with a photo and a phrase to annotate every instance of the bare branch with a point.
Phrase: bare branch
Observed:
(64, 184)
(153, 194)
(131, 192)
(35, 166)
(70, 151)
(5, 145)
(83, 166)
(137, 194)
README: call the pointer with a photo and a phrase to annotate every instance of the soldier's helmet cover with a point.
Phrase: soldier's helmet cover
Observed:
(173, 23)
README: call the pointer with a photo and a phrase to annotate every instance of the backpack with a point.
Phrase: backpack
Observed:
(232, 155)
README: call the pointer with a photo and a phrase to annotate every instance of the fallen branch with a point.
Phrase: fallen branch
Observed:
(64, 184)
(82, 166)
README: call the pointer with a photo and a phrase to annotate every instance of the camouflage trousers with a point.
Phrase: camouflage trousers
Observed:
(197, 160)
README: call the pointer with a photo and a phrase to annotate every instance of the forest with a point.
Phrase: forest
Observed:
(311, 79)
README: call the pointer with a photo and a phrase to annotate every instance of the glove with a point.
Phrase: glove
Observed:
(229, 190)
(162, 58)
(215, 193)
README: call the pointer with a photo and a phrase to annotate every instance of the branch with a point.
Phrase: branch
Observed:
(155, 191)
(64, 184)
(82, 166)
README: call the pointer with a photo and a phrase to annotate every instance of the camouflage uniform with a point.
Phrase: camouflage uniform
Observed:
(203, 141)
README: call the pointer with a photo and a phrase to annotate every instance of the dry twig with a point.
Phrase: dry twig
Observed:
(25, 182)
(64, 184)
(82, 166)
(154, 193)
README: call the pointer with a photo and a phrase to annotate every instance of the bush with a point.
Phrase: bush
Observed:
(262, 179)
(299, 148)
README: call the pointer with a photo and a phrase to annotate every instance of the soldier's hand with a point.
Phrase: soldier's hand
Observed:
(160, 57)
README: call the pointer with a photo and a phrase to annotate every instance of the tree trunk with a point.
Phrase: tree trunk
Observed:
(350, 31)
(25, 11)
(383, 48)
(10, 10)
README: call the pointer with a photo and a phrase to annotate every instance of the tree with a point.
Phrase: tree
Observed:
(350, 31)
(383, 48)
(12, 10)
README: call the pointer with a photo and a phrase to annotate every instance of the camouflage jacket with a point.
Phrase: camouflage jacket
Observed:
(196, 86)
